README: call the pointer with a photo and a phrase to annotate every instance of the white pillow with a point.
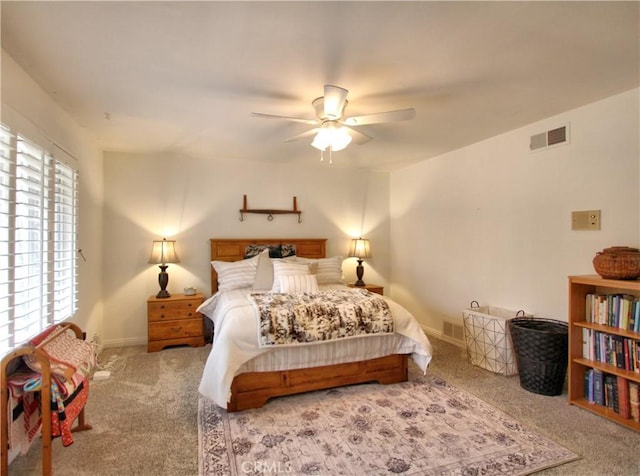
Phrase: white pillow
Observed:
(328, 270)
(298, 283)
(264, 272)
(235, 274)
(286, 268)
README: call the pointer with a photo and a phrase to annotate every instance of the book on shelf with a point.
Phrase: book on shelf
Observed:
(615, 310)
(588, 386)
(617, 351)
(611, 392)
(615, 392)
(598, 387)
(587, 345)
(624, 403)
(634, 400)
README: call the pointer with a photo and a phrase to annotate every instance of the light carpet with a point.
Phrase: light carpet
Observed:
(421, 427)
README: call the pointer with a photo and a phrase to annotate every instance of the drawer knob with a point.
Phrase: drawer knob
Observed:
(161, 316)
(190, 314)
(190, 304)
(162, 306)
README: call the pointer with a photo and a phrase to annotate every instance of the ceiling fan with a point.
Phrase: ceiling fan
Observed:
(333, 131)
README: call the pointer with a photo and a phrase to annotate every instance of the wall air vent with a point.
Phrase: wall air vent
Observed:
(454, 331)
(554, 137)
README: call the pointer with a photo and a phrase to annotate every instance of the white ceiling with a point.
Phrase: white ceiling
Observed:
(183, 77)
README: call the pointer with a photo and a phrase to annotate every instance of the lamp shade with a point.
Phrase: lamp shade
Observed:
(164, 251)
(360, 248)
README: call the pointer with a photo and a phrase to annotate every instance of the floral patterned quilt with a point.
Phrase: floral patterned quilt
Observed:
(303, 318)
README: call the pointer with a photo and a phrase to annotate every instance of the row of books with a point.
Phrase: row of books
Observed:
(615, 392)
(620, 352)
(615, 310)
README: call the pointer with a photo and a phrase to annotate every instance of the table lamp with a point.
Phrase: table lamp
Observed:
(163, 252)
(360, 249)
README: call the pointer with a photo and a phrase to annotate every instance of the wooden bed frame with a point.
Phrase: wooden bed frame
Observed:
(253, 389)
(233, 250)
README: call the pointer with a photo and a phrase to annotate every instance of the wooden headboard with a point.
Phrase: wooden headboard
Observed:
(233, 250)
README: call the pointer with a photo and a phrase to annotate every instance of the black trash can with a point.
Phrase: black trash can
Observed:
(541, 347)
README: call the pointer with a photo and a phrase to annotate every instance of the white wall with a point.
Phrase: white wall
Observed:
(489, 222)
(26, 108)
(148, 197)
(492, 222)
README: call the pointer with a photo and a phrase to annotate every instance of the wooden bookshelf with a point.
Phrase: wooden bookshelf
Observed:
(579, 288)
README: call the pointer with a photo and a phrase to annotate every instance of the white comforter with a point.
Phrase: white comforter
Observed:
(235, 346)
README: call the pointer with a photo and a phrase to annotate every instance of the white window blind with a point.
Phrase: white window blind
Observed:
(65, 262)
(38, 265)
(7, 199)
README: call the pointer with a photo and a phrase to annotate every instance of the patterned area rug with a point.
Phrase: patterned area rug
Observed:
(421, 427)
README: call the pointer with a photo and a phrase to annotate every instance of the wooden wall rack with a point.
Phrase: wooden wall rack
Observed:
(269, 211)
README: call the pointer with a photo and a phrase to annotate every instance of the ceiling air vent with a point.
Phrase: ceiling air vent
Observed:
(550, 138)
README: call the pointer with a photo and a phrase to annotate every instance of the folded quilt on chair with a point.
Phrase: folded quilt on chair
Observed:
(62, 418)
(71, 361)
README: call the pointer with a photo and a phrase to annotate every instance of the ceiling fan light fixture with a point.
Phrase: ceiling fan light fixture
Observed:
(333, 136)
(341, 139)
(333, 130)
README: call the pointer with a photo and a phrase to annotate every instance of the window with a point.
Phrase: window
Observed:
(38, 234)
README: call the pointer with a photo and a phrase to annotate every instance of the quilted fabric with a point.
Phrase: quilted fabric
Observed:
(302, 318)
(67, 354)
(61, 421)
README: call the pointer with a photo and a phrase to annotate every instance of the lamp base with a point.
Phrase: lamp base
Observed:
(163, 280)
(359, 274)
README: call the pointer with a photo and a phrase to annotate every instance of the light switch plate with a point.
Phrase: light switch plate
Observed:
(585, 220)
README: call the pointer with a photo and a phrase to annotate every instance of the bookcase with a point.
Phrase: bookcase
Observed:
(582, 328)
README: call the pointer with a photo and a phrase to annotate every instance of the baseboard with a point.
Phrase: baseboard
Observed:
(440, 335)
(125, 342)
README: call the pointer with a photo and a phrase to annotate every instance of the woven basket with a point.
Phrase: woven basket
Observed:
(541, 347)
(618, 262)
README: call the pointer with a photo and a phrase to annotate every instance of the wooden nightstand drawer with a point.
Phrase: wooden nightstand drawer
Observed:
(174, 321)
(183, 309)
(175, 329)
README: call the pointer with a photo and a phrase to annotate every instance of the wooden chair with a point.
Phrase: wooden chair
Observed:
(45, 399)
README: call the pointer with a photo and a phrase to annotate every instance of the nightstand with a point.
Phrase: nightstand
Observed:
(174, 321)
(374, 288)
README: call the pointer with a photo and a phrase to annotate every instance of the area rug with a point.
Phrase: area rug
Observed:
(421, 427)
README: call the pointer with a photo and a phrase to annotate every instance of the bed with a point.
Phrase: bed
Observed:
(240, 374)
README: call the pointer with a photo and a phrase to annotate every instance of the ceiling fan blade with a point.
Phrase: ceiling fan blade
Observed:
(358, 137)
(381, 117)
(303, 135)
(286, 118)
(335, 99)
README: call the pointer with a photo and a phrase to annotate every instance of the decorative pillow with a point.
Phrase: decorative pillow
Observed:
(275, 251)
(235, 274)
(264, 273)
(298, 283)
(327, 271)
(286, 268)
